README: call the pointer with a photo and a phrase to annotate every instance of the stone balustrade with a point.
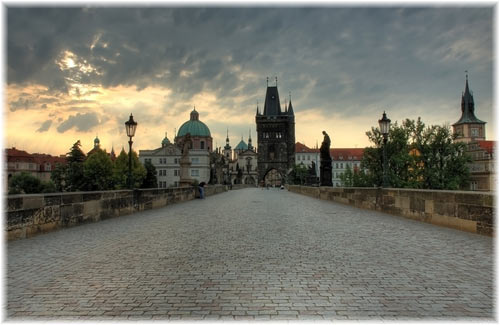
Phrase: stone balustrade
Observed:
(468, 211)
(31, 214)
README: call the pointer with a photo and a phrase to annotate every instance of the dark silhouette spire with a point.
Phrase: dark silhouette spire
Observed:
(227, 146)
(467, 106)
(290, 108)
(272, 105)
(250, 139)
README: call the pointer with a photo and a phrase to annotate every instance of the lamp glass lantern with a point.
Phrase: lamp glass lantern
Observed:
(130, 126)
(384, 124)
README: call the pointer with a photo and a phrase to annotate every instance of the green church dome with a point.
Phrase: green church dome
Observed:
(241, 146)
(194, 126)
(165, 141)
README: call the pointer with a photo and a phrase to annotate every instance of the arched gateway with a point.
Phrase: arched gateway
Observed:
(273, 178)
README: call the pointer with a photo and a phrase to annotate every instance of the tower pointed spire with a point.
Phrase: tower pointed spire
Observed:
(250, 139)
(290, 107)
(227, 146)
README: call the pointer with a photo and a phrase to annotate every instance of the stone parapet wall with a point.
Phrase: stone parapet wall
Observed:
(468, 211)
(31, 214)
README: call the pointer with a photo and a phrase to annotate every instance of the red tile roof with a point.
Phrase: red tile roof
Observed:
(487, 145)
(15, 155)
(336, 153)
(299, 147)
(345, 153)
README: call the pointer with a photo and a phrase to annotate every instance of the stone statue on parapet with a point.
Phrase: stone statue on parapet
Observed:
(325, 170)
(187, 143)
(325, 146)
(312, 169)
(184, 179)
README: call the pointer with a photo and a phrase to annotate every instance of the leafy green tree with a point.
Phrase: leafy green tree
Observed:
(418, 157)
(25, 183)
(98, 172)
(74, 180)
(150, 181)
(120, 171)
(441, 163)
(49, 187)
(299, 174)
(347, 177)
(58, 177)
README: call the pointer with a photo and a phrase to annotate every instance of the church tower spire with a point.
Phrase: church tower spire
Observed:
(469, 127)
(227, 147)
(250, 147)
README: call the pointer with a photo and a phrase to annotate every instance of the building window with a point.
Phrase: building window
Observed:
(195, 172)
(176, 172)
(475, 132)
(341, 165)
(195, 160)
(336, 165)
(308, 157)
(202, 145)
(176, 160)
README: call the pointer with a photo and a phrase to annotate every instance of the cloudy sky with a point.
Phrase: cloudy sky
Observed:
(73, 73)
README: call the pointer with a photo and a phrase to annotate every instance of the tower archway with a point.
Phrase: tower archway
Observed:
(273, 177)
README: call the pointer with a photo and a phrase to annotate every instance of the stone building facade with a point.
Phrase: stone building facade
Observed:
(36, 164)
(342, 158)
(275, 139)
(242, 166)
(166, 159)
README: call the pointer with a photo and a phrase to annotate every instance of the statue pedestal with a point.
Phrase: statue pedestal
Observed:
(325, 172)
(185, 179)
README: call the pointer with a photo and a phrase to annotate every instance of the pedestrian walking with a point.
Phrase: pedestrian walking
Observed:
(201, 188)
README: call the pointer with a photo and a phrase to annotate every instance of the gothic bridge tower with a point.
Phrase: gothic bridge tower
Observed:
(275, 139)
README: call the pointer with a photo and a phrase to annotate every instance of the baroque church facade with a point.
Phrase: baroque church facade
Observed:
(241, 162)
(275, 139)
(166, 159)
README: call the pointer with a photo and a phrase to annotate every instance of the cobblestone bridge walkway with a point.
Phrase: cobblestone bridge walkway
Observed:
(252, 254)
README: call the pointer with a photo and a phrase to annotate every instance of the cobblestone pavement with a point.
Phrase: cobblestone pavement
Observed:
(252, 254)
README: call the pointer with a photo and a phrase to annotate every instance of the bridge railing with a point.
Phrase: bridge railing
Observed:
(468, 211)
(31, 214)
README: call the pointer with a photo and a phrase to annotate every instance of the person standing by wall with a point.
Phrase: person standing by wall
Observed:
(201, 188)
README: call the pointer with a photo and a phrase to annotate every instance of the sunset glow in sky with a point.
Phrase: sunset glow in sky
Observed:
(75, 73)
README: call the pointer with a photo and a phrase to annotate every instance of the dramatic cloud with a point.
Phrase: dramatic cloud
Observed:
(82, 122)
(337, 62)
(45, 126)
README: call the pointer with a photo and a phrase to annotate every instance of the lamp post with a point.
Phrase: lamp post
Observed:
(384, 124)
(130, 126)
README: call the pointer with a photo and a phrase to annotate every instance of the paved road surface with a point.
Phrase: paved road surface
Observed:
(252, 254)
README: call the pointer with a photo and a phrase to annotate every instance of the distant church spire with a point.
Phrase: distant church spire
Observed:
(250, 147)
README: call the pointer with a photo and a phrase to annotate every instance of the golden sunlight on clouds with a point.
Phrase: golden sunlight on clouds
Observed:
(38, 121)
(343, 133)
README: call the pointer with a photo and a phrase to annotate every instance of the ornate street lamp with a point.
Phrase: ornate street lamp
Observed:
(130, 126)
(384, 124)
